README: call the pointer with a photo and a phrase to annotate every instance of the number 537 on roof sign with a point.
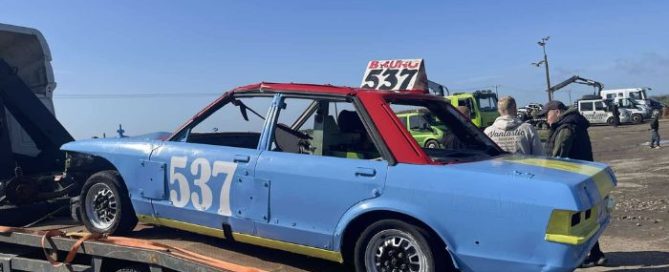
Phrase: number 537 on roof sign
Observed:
(401, 74)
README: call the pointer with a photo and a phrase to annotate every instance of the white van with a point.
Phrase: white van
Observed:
(597, 112)
(638, 94)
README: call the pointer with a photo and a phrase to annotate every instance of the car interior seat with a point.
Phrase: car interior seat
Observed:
(290, 140)
(353, 140)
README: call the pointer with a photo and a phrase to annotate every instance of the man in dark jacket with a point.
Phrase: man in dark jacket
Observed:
(613, 107)
(654, 131)
(568, 138)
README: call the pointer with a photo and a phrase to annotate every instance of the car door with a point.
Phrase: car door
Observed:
(311, 188)
(587, 110)
(209, 169)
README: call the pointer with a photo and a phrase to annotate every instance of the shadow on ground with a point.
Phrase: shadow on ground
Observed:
(643, 261)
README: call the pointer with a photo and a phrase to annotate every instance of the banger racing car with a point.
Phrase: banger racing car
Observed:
(331, 172)
(425, 129)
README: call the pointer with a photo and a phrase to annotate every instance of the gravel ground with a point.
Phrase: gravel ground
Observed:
(638, 237)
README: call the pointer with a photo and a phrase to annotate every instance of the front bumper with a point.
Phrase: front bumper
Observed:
(549, 257)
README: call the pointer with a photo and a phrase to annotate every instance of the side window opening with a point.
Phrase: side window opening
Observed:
(238, 123)
(469, 103)
(586, 106)
(322, 127)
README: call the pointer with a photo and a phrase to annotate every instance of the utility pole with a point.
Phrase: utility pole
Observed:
(542, 43)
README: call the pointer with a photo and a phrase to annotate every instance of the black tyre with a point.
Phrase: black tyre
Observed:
(134, 268)
(105, 205)
(610, 121)
(432, 144)
(393, 245)
(637, 118)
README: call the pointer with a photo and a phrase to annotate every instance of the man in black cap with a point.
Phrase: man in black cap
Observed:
(568, 138)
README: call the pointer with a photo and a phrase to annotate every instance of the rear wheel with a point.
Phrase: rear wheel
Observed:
(394, 245)
(105, 205)
(637, 118)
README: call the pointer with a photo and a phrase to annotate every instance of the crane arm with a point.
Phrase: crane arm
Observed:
(578, 80)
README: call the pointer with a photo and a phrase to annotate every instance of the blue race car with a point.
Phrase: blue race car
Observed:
(331, 172)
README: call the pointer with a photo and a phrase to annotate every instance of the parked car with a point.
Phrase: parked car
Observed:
(638, 112)
(424, 128)
(529, 113)
(332, 172)
(597, 111)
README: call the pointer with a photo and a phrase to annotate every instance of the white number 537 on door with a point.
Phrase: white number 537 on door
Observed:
(203, 171)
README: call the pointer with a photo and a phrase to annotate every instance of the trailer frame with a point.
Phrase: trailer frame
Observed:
(26, 249)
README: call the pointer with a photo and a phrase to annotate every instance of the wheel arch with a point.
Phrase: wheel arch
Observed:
(123, 156)
(364, 214)
(81, 166)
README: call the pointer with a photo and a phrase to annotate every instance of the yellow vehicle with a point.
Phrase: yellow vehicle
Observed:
(482, 104)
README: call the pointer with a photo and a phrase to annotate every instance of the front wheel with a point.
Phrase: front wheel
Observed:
(637, 118)
(105, 205)
(432, 144)
(393, 245)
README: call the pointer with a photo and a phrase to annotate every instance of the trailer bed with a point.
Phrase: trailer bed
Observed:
(243, 255)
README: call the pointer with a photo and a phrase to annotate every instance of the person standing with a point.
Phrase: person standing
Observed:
(510, 133)
(655, 131)
(616, 114)
(568, 138)
(464, 110)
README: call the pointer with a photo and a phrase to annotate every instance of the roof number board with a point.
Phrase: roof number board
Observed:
(395, 75)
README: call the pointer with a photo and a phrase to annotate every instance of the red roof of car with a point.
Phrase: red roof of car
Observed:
(312, 88)
(400, 142)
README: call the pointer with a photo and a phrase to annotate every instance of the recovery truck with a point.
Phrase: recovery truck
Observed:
(33, 192)
(482, 104)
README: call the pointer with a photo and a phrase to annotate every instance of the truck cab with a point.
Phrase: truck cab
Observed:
(482, 106)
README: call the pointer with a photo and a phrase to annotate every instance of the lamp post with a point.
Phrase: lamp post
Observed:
(542, 43)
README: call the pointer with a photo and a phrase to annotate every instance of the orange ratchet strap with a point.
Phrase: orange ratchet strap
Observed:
(123, 241)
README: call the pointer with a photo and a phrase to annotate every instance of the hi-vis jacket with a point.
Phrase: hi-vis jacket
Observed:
(514, 136)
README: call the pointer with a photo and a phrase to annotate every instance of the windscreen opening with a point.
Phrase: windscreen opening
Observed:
(444, 133)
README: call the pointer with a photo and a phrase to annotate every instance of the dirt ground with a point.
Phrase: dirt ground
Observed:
(638, 237)
(636, 240)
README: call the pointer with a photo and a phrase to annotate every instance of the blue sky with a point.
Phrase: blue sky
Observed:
(130, 47)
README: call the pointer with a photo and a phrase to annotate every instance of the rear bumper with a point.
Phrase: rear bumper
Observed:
(548, 257)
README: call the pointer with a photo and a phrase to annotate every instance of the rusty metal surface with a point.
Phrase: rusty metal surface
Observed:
(238, 253)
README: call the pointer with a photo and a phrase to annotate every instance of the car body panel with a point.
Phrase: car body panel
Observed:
(489, 213)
